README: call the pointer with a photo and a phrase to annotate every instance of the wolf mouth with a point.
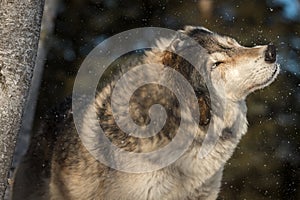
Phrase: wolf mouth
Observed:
(269, 80)
(272, 77)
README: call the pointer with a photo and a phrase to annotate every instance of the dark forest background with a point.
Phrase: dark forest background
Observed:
(267, 161)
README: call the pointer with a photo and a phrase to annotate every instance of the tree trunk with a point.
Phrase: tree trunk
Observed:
(19, 35)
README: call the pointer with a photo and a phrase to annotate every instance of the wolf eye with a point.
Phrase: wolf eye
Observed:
(216, 64)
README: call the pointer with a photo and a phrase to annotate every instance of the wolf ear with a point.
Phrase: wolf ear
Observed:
(186, 69)
(176, 62)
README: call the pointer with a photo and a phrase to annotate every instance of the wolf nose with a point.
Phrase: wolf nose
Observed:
(270, 54)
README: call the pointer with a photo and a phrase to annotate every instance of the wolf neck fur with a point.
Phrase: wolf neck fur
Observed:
(233, 128)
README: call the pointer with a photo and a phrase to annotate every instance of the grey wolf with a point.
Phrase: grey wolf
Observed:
(71, 173)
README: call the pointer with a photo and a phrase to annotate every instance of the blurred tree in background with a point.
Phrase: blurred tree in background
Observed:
(266, 163)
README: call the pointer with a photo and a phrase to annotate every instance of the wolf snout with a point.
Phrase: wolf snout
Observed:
(270, 54)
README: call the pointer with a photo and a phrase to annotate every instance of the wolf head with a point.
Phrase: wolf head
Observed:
(234, 70)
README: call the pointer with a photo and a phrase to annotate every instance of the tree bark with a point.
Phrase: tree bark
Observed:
(47, 27)
(19, 35)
